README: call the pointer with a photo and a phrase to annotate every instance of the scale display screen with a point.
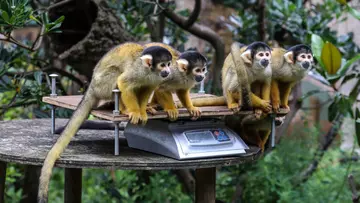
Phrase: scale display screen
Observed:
(206, 136)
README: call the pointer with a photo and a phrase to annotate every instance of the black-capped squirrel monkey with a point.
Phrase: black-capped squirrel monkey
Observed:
(288, 67)
(136, 71)
(189, 69)
(242, 67)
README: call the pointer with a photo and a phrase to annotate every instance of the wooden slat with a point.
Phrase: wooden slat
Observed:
(71, 102)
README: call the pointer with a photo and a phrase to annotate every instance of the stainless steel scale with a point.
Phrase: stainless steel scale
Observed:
(185, 139)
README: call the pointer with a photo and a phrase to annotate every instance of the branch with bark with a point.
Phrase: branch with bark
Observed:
(355, 195)
(205, 33)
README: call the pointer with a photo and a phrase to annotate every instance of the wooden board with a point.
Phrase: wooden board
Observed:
(71, 102)
(29, 141)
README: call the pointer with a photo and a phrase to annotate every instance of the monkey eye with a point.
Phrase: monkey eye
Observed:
(169, 63)
(162, 65)
(303, 56)
(197, 70)
(267, 54)
(203, 70)
(261, 54)
(309, 56)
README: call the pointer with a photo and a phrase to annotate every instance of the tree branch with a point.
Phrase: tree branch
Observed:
(261, 20)
(194, 15)
(355, 196)
(207, 34)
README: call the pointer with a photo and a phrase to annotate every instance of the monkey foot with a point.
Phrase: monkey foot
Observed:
(275, 106)
(287, 107)
(144, 118)
(151, 110)
(134, 117)
(266, 106)
(234, 107)
(194, 112)
(173, 114)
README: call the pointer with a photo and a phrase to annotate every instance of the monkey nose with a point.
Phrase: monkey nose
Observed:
(164, 73)
(199, 78)
(264, 62)
(306, 65)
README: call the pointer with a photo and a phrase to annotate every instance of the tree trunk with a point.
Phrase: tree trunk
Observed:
(89, 30)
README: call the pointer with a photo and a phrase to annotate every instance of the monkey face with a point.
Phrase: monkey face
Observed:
(199, 73)
(163, 68)
(305, 60)
(262, 59)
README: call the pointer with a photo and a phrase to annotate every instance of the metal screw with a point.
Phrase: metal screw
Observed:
(53, 85)
(116, 98)
(272, 116)
(116, 138)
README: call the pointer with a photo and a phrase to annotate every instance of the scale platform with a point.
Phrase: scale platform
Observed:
(71, 102)
(182, 139)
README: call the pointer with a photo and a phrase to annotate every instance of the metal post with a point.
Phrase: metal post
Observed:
(272, 116)
(116, 112)
(202, 91)
(53, 94)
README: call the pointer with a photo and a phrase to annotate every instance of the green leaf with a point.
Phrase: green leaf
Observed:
(331, 57)
(343, 2)
(355, 91)
(317, 45)
(333, 109)
(357, 125)
(59, 20)
(5, 16)
(35, 19)
(353, 12)
(312, 92)
(344, 68)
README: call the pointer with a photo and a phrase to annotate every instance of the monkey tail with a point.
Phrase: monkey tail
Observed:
(78, 117)
(242, 74)
(206, 101)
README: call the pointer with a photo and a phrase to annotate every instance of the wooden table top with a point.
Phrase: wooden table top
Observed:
(28, 142)
(71, 102)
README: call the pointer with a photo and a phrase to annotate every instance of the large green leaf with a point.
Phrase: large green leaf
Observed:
(317, 45)
(348, 63)
(331, 57)
(353, 12)
(357, 125)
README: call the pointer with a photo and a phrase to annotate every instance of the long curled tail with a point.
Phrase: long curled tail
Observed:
(206, 101)
(79, 116)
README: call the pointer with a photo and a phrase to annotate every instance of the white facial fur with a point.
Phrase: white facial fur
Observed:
(260, 57)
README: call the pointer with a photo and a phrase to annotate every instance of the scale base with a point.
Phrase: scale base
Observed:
(185, 139)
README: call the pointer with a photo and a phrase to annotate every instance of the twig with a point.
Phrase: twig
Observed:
(207, 34)
(194, 14)
(329, 138)
(61, 3)
(355, 196)
(261, 19)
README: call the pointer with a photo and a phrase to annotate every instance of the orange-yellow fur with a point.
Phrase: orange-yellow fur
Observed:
(120, 67)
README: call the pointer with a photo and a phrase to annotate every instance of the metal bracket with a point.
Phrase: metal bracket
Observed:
(273, 131)
(116, 112)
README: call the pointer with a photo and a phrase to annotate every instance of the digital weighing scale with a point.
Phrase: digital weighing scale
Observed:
(185, 139)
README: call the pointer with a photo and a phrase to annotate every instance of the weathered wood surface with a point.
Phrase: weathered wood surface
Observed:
(28, 141)
(71, 102)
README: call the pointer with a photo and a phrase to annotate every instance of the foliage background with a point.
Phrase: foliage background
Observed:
(274, 178)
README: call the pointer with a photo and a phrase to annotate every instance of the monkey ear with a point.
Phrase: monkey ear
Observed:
(147, 60)
(182, 64)
(246, 56)
(289, 57)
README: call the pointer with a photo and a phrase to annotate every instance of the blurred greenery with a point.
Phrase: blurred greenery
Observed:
(24, 81)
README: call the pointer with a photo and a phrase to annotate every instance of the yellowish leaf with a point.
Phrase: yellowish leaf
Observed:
(331, 57)
(343, 2)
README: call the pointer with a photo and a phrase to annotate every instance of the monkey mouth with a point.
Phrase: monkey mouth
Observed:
(164, 74)
(199, 78)
(305, 65)
(264, 63)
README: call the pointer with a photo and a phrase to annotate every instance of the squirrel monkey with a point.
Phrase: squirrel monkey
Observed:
(243, 67)
(188, 70)
(136, 70)
(288, 67)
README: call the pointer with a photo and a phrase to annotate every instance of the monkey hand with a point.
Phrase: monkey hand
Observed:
(143, 117)
(265, 106)
(234, 107)
(172, 113)
(151, 110)
(194, 112)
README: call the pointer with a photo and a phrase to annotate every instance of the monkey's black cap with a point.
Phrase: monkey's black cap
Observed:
(193, 57)
(158, 53)
(255, 46)
(300, 48)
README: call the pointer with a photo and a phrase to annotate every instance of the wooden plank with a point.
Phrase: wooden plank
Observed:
(31, 184)
(71, 102)
(2, 180)
(73, 185)
(28, 141)
(205, 185)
